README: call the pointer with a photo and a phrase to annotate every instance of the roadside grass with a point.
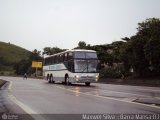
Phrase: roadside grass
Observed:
(11, 54)
(2, 82)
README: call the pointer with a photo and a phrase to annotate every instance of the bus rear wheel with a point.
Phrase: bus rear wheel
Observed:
(51, 79)
(66, 79)
(48, 78)
(87, 83)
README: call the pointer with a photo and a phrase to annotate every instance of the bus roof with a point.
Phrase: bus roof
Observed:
(73, 50)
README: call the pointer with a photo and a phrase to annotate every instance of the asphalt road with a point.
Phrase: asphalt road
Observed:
(41, 100)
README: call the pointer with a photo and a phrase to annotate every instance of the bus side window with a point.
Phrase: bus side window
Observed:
(55, 59)
(65, 57)
(49, 61)
(66, 64)
(60, 58)
(52, 59)
(70, 55)
(45, 61)
(70, 66)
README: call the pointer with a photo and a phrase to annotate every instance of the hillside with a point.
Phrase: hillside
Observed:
(11, 54)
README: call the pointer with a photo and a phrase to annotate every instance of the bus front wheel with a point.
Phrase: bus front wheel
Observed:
(87, 83)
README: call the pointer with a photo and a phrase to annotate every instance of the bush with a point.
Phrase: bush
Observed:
(7, 73)
(112, 72)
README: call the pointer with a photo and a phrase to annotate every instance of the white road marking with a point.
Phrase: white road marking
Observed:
(130, 99)
(107, 91)
(10, 85)
(23, 106)
(157, 107)
(151, 90)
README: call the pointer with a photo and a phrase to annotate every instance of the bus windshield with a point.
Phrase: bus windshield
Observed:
(85, 62)
(83, 66)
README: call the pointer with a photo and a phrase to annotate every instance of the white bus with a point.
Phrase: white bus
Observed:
(72, 66)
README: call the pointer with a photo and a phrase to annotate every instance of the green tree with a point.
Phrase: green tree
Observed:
(151, 27)
(47, 51)
(116, 51)
(82, 45)
(142, 51)
(24, 66)
(51, 51)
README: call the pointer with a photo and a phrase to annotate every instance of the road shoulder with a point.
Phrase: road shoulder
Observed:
(8, 107)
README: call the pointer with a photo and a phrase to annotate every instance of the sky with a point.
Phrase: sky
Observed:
(35, 24)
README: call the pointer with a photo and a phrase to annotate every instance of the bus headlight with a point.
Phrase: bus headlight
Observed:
(97, 76)
(76, 77)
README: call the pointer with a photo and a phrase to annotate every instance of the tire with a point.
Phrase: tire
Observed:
(51, 78)
(48, 78)
(49, 81)
(87, 83)
(66, 79)
(63, 82)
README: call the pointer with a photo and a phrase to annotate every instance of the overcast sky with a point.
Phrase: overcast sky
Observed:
(35, 24)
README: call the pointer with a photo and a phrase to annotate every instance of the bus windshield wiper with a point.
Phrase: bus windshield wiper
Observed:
(84, 69)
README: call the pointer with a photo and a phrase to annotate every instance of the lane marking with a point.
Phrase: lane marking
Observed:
(109, 98)
(148, 89)
(23, 106)
(10, 85)
(144, 88)
(131, 99)
(107, 91)
(137, 95)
